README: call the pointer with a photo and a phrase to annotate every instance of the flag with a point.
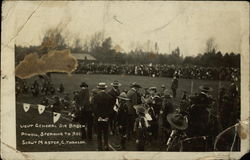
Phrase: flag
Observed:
(115, 108)
(148, 117)
(56, 116)
(40, 108)
(26, 107)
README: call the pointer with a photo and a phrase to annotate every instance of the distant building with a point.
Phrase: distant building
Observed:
(84, 58)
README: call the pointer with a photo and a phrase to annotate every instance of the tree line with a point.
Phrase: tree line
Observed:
(104, 51)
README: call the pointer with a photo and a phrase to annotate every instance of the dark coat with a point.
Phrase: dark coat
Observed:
(199, 116)
(84, 98)
(134, 100)
(114, 93)
(167, 109)
(174, 84)
(122, 117)
(102, 104)
(57, 106)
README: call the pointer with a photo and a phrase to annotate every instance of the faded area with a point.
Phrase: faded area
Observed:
(53, 61)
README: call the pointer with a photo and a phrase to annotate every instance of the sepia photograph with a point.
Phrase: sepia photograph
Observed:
(133, 76)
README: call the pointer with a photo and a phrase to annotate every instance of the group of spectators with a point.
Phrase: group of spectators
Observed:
(159, 70)
(138, 114)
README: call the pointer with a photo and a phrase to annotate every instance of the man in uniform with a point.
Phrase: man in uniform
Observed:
(56, 106)
(102, 109)
(84, 107)
(122, 119)
(134, 97)
(174, 86)
(140, 127)
(199, 115)
(114, 92)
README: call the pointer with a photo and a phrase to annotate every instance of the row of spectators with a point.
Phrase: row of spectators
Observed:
(158, 70)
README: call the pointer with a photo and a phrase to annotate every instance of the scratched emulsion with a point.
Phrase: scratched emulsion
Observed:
(242, 132)
(54, 61)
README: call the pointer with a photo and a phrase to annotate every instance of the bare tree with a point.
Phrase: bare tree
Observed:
(77, 46)
(96, 41)
(211, 46)
(53, 39)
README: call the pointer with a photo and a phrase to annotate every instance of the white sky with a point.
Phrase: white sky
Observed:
(184, 24)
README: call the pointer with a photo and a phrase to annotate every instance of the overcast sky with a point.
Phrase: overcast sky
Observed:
(170, 24)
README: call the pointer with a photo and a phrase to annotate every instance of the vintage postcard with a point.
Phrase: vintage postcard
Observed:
(146, 80)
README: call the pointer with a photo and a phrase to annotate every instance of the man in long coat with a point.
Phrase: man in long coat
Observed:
(114, 92)
(84, 105)
(174, 86)
(102, 109)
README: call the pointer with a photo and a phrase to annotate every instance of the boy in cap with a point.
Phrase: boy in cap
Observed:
(140, 127)
(122, 118)
(152, 120)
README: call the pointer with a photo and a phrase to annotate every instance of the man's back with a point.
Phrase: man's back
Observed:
(84, 97)
(102, 104)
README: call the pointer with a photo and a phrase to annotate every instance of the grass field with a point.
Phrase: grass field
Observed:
(71, 83)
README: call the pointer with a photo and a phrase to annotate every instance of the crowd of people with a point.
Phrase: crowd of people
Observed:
(158, 70)
(139, 114)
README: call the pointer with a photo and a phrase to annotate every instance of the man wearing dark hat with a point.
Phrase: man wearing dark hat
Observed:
(102, 109)
(84, 107)
(134, 97)
(57, 106)
(174, 86)
(199, 115)
(114, 92)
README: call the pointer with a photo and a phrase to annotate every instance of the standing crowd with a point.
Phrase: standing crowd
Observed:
(160, 70)
(145, 115)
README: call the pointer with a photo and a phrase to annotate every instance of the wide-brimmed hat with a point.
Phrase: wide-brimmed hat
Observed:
(123, 96)
(134, 84)
(140, 109)
(177, 121)
(148, 101)
(102, 85)
(116, 84)
(206, 88)
(152, 89)
(84, 84)
(156, 96)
